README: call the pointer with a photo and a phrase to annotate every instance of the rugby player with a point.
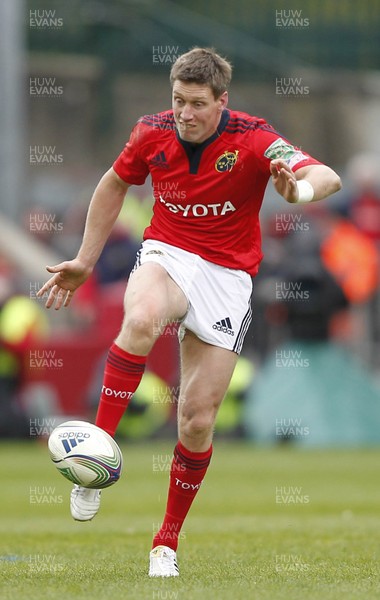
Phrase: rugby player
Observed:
(195, 265)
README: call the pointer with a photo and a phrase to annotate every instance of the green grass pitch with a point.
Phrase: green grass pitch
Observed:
(268, 524)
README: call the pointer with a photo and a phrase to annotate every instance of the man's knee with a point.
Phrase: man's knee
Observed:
(140, 324)
(139, 331)
(197, 421)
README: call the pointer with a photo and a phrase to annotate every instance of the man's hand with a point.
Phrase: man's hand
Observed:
(324, 181)
(69, 275)
(284, 180)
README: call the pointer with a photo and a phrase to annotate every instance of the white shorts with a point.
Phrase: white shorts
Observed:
(219, 299)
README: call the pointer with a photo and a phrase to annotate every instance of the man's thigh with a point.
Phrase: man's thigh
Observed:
(206, 372)
(152, 291)
(152, 300)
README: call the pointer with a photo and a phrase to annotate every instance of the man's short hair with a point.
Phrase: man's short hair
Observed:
(204, 66)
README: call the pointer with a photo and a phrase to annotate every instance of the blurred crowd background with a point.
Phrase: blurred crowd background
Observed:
(74, 78)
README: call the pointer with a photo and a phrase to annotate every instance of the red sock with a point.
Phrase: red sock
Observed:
(186, 475)
(122, 375)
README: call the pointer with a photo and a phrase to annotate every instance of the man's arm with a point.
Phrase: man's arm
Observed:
(102, 213)
(323, 180)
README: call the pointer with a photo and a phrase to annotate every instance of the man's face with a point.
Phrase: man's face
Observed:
(196, 112)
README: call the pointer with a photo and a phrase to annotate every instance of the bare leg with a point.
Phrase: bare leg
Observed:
(152, 300)
(206, 373)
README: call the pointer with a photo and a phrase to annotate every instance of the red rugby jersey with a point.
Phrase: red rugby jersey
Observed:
(208, 196)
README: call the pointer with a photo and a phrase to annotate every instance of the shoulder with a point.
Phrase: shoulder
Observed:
(162, 121)
(241, 122)
(151, 128)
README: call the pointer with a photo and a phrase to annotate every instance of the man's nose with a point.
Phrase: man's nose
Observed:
(186, 113)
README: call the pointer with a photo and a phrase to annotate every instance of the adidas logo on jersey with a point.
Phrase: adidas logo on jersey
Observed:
(224, 326)
(159, 161)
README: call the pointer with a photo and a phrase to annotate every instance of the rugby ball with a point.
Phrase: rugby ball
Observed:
(85, 454)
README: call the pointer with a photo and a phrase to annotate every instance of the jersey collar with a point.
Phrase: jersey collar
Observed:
(194, 151)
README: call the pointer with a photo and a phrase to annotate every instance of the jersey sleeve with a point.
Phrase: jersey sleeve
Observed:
(271, 145)
(129, 165)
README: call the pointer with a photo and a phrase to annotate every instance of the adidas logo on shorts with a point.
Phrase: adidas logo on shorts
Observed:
(224, 326)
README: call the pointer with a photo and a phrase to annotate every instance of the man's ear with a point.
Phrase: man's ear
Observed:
(223, 101)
